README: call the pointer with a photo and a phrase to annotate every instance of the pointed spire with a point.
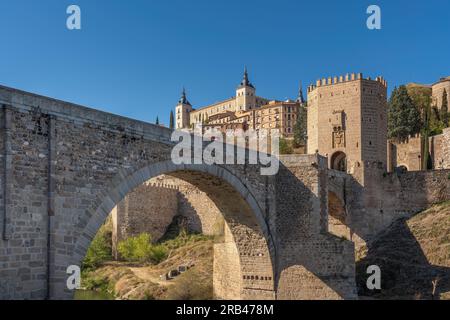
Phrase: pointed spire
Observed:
(300, 97)
(245, 79)
(245, 82)
(183, 99)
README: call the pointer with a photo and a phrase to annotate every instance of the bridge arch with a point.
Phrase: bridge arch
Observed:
(243, 216)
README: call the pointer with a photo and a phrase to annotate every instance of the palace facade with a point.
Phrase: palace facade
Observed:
(244, 111)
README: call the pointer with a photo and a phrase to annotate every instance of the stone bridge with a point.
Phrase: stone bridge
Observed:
(64, 167)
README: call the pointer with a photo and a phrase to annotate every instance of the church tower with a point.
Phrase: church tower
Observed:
(182, 112)
(245, 94)
(300, 99)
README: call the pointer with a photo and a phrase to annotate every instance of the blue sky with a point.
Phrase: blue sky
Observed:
(133, 57)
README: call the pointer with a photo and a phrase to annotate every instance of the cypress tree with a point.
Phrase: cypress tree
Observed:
(426, 132)
(403, 116)
(171, 124)
(157, 120)
(300, 128)
(444, 109)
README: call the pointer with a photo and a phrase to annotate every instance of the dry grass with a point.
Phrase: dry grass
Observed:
(142, 282)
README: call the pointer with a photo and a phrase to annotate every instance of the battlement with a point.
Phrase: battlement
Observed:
(409, 139)
(342, 79)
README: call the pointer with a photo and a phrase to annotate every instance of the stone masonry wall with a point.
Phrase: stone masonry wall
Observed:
(227, 272)
(23, 254)
(388, 197)
(440, 150)
(312, 264)
(149, 208)
(408, 154)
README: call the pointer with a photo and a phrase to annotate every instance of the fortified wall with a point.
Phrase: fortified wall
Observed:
(409, 154)
(440, 150)
(359, 212)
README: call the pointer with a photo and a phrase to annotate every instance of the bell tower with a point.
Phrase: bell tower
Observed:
(245, 94)
(182, 112)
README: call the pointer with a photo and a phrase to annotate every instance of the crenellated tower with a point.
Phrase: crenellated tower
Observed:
(347, 122)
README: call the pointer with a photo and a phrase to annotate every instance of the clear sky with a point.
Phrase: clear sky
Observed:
(133, 57)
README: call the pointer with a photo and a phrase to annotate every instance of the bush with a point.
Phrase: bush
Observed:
(100, 248)
(141, 249)
(184, 238)
(158, 253)
(285, 147)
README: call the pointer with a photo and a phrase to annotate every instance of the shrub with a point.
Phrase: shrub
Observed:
(100, 248)
(159, 253)
(285, 147)
(141, 249)
(184, 238)
(96, 283)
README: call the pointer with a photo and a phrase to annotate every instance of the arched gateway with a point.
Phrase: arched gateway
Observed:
(245, 220)
(65, 167)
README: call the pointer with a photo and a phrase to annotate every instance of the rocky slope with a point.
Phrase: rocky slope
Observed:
(414, 257)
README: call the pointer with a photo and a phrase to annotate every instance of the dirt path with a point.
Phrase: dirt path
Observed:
(148, 274)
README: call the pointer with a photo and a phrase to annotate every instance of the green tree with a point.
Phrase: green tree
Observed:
(436, 125)
(157, 120)
(172, 121)
(425, 136)
(426, 132)
(403, 116)
(300, 128)
(285, 147)
(445, 117)
(100, 249)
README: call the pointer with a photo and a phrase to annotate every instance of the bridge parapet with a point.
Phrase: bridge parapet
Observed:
(80, 114)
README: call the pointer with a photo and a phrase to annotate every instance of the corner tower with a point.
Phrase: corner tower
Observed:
(245, 94)
(182, 112)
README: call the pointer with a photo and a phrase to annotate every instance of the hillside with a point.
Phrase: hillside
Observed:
(126, 281)
(411, 254)
(417, 88)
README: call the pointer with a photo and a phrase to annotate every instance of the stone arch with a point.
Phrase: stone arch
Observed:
(243, 216)
(338, 161)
